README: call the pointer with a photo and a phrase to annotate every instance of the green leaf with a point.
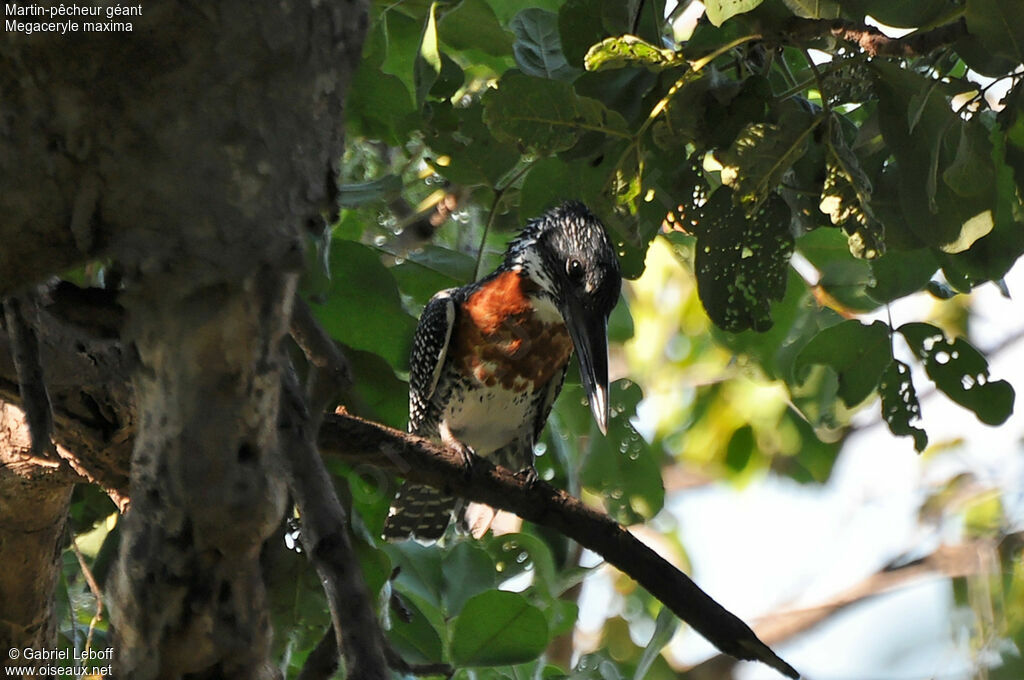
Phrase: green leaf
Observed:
(362, 307)
(999, 25)
(901, 272)
(628, 50)
(421, 570)
(664, 628)
(741, 449)
(545, 115)
(684, 120)
(497, 628)
(427, 66)
(930, 209)
(433, 268)
(417, 640)
(467, 570)
(758, 158)
(720, 10)
(622, 466)
(379, 106)
(960, 372)
(402, 38)
(383, 397)
(579, 27)
(900, 407)
(742, 263)
(538, 45)
(474, 155)
(551, 181)
(473, 25)
(507, 9)
(901, 13)
(814, 9)
(517, 553)
(361, 193)
(858, 353)
(971, 172)
(846, 198)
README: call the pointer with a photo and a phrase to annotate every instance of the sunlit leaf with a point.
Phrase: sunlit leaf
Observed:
(720, 10)
(758, 158)
(628, 50)
(427, 66)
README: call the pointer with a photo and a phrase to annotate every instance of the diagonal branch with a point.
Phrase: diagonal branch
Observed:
(324, 533)
(359, 441)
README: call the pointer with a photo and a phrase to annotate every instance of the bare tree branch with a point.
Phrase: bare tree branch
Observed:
(949, 561)
(21, 315)
(325, 536)
(360, 441)
(875, 42)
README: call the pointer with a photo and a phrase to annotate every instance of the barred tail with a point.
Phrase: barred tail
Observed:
(420, 512)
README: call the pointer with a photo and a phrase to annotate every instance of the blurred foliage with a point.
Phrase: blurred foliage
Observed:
(769, 195)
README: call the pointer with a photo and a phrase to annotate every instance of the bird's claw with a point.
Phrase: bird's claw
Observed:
(528, 476)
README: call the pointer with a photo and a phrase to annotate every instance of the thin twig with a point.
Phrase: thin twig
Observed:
(96, 591)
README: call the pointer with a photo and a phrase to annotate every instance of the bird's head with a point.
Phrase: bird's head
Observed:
(568, 254)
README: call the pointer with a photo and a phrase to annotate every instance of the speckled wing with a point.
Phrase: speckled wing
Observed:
(429, 351)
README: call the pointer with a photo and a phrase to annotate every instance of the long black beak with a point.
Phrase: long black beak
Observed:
(589, 332)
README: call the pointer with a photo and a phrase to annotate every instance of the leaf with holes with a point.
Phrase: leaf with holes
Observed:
(961, 372)
(629, 50)
(742, 262)
(762, 153)
(900, 407)
(497, 628)
(846, 199)
(859, 354)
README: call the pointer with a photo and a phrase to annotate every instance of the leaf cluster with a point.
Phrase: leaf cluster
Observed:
(762, 139)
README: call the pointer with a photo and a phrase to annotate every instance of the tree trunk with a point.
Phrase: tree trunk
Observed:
(33, 509)
(192, 151)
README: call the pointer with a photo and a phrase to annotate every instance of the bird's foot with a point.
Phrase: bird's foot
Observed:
(466, 453)
(528, 476)
(467, 456)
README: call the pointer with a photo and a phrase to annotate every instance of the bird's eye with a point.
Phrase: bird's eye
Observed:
(574, 268)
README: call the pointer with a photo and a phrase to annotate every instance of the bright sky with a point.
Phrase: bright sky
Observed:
(811, 543)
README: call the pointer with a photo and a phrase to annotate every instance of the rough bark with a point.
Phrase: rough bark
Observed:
(33, 507)
(191, 151)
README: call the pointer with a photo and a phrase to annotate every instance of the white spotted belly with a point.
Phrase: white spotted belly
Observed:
(489, 418)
